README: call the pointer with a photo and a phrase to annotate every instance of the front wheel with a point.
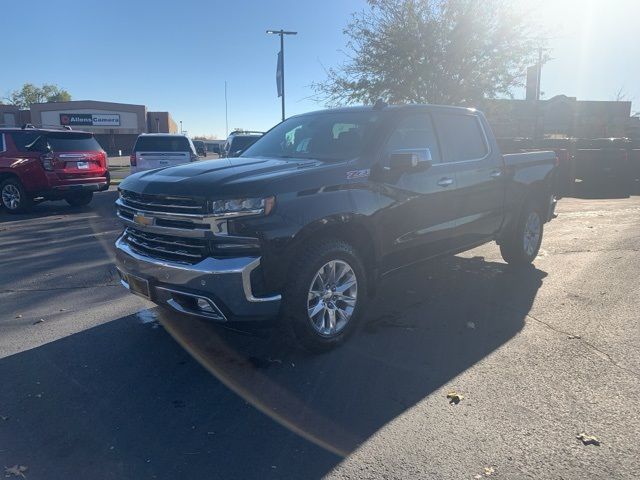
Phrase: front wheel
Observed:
(80, 199)
(326, 294)
(14, 197)
(523, 243)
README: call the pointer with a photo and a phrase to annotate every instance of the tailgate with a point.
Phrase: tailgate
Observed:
(150, 160)
(79, 164)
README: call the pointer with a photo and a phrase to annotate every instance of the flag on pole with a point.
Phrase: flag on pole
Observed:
(279, 71)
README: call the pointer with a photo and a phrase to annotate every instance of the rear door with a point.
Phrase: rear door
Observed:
(158, 151)
(420, 219)
(479, 174)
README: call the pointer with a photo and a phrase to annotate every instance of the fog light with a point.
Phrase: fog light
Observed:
(204, 305)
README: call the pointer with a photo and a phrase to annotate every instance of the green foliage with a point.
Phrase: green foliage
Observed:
(30, 93)
(433, 51)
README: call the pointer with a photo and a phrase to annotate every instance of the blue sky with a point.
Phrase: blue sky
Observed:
(176, 56)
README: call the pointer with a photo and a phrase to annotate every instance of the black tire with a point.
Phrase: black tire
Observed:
(80, 199)
(296, 293)
(14, 197)
(514, 248)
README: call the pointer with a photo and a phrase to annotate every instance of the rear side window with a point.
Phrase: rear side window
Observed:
(162, 144)
(22, 139)
(415, 132)
(461, 137)
(70, 142)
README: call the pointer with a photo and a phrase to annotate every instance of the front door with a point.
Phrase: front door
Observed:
(420, 216)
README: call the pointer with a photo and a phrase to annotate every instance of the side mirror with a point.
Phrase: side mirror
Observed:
(410, 159)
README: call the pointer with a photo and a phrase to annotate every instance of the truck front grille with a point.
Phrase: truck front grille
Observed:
(163, 203)
(167, 247)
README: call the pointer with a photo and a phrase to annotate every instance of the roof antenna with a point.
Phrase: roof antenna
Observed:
(380, 104)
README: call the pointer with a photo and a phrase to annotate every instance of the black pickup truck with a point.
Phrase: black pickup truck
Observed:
(307, 220)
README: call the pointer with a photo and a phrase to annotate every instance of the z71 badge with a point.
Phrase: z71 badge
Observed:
(358, 174)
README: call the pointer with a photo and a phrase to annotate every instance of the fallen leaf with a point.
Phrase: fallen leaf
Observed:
(39, 321)
(471, 325)
(588, 439)
(489, 471)
(574, 337)
(3, 418)
(454, 397)
(16, 471)
(18, 316)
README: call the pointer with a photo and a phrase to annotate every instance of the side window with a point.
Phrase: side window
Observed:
(22, 139)
(415, 131)
(3, 145)
(461, 136)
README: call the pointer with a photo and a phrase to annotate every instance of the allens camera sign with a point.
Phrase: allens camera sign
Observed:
(90, 119)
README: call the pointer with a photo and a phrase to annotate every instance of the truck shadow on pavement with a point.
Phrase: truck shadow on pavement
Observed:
(123, 400)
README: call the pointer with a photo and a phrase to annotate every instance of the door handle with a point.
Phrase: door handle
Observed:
(495, 173)
(445, 181)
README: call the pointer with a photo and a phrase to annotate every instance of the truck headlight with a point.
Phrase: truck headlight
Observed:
(243, 206)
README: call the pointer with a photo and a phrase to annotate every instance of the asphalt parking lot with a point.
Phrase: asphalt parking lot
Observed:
(95, 387)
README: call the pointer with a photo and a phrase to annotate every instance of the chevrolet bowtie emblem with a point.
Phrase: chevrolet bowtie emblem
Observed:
(141, 219)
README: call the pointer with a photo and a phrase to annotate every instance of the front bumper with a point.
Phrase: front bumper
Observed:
(223, 284)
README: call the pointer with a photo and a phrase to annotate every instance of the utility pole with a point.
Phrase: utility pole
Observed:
(282, 33)
(539, 127)
(226, 112)
(180, 127)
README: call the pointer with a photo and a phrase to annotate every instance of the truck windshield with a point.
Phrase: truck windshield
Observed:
(323, 136)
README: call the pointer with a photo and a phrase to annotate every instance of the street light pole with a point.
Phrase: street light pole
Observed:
(180, 127)
(282, 33)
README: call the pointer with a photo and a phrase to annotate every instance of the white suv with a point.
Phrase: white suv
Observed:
(158, 150)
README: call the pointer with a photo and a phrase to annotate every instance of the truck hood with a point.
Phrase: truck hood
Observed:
(224, 177)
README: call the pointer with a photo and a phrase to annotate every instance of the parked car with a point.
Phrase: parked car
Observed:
(238, 142)
(39, 164)
(603, 161)
(306, 221)
(158, 150)
(201, 149)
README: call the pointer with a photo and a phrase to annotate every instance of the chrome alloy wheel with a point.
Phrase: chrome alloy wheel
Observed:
(332, 297)
(11, 197)
(532, 231)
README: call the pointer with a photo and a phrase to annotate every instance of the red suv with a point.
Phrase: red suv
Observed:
(42, 164)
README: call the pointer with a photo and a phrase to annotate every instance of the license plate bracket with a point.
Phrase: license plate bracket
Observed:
(139, 286)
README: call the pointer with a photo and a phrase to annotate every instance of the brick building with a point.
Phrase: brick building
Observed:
(115, 125)
(560, 116)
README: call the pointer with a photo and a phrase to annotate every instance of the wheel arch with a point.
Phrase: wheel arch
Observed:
(349, 228)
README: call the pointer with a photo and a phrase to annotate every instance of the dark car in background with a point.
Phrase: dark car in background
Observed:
(200, 147)
(39, 164)
(238, 142)
(603, 162)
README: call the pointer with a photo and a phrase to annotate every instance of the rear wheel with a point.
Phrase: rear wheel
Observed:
(80, 199)
(14, 197)
(325, 298)
(523, 243)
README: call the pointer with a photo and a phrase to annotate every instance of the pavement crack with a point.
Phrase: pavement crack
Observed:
(588, 344)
